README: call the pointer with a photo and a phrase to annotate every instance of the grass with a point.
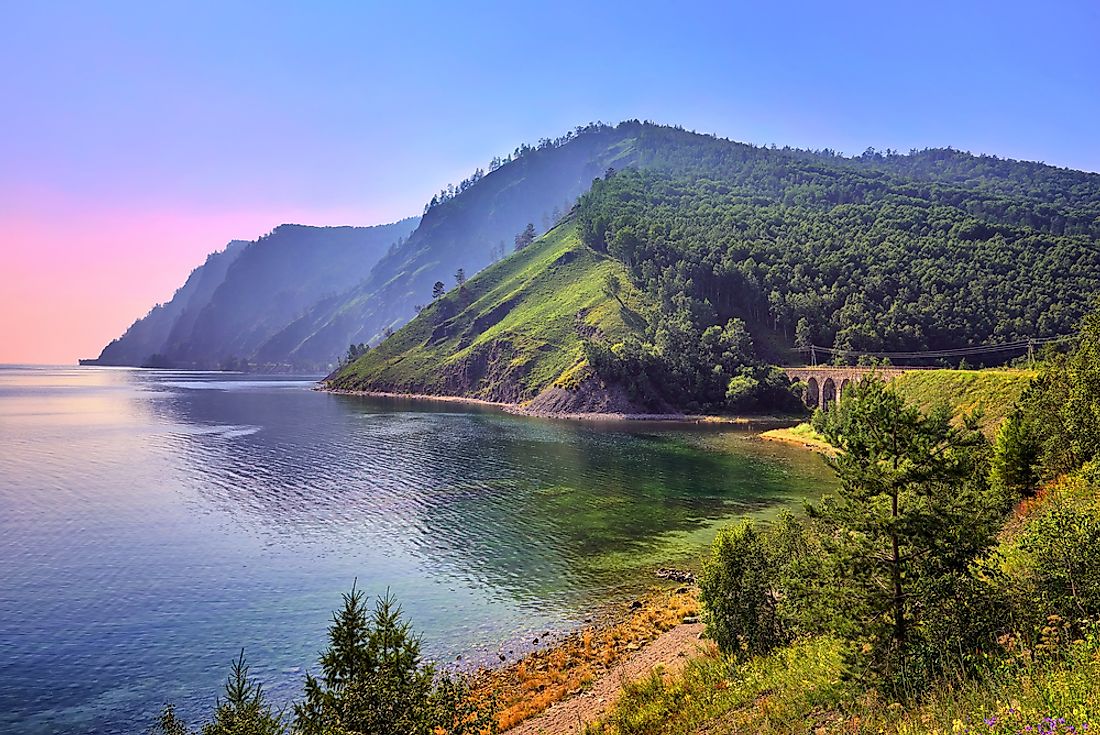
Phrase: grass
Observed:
(800, 690)
(512, 331)
(715, 694)
(802, 434)
(1029, 687)
(993, 392)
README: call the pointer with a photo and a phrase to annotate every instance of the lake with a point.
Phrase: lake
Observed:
(153, 523)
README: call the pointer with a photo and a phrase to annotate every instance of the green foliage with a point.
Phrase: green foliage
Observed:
(741, 390)
(1061, 408)
(912, 514)
(1063, 542)
(862, 261)
(168, 723)
(372, 682)
(738, 589)
(676, 365)
(751, 586)
(355, 352)
(613, 286)
(525, 238)
(242, 710)
(1013, 471)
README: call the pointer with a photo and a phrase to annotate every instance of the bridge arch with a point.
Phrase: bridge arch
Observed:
(812, 392)
(845, 384)
(841, 379)
(828, 393)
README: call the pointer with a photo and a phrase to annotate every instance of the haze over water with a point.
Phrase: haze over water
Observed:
(153, 523)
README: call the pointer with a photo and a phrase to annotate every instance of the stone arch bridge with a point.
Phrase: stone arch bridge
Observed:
(825, 384)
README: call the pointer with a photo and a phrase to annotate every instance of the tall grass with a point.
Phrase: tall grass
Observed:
(800, 689)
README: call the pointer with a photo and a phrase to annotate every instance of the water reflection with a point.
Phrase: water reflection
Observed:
(153, 522)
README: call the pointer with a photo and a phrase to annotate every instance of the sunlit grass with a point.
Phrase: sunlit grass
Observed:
(523, 316)
(993, 392)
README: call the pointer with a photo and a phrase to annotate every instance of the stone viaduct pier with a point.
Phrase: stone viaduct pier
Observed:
(825, 384)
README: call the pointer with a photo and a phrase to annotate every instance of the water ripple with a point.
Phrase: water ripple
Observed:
(153, 522)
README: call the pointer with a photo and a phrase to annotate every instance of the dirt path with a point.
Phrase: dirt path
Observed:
(568, 717)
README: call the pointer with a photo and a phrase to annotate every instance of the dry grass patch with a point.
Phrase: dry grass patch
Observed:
(531, 685)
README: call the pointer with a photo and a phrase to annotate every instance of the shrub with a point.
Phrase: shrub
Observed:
(746, 586)
(1064, 545)
(1015, 455)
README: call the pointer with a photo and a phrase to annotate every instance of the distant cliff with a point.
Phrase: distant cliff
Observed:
(148, 335)
(232, 305)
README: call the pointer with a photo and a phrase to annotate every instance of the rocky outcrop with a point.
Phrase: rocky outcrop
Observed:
(591, 395)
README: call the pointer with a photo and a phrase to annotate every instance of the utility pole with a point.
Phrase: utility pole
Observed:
(1030, 354)
(813, 355)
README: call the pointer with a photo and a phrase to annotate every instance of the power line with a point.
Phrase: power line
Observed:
(1028, 344)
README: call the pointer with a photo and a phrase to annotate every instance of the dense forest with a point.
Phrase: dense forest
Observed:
(750, 252)
(862, 259)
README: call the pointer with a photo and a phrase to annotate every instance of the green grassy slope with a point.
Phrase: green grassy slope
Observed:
(993, 392)
(514, 330)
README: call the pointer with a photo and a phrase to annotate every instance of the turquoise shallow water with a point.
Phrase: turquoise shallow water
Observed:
(152, 523)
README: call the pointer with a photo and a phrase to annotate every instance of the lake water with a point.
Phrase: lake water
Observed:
(152, 523)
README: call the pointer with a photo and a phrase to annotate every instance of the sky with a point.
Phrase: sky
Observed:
(137, 137)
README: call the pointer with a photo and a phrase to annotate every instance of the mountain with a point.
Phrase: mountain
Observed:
(148, 335)
(515, 329)
(466, 228)
(232, 305)
(296, 300)
(733, 255)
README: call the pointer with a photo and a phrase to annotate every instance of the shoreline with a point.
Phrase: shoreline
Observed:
(788, 436)
(577, 678)
(518, 409)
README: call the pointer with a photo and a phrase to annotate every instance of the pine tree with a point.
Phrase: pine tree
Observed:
(912, 513)
(244, 709)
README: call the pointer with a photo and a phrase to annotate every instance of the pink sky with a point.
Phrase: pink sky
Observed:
(75, 277)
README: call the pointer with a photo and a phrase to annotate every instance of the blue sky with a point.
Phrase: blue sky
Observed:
(177, 126)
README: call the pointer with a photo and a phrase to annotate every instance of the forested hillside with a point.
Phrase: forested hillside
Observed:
(512, 331)
(746, 253)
